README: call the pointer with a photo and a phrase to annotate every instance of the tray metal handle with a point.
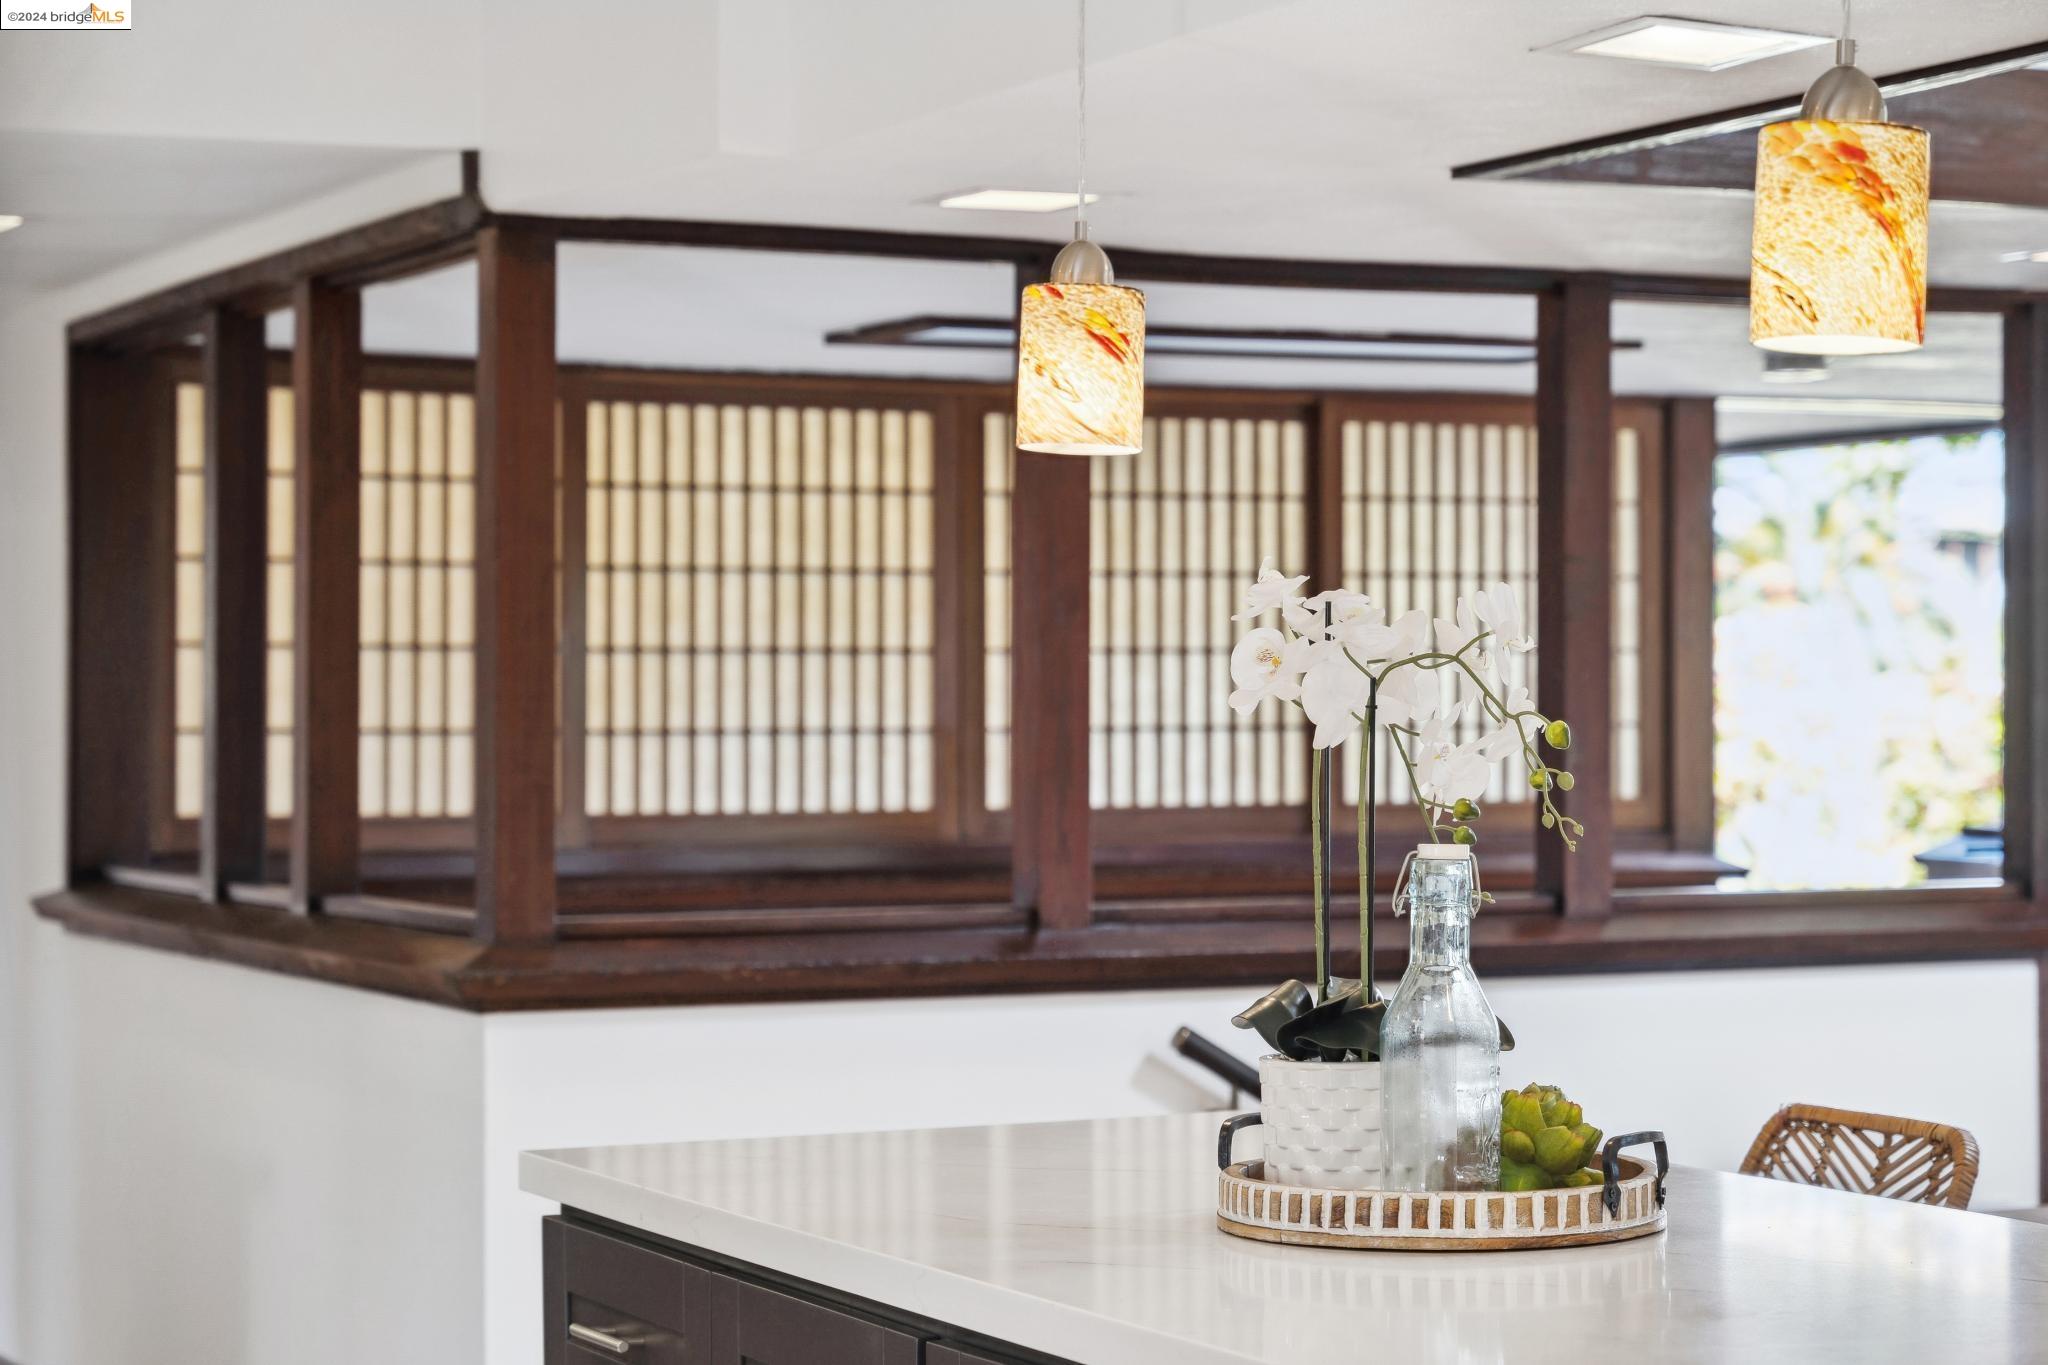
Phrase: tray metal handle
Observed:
(1610, 1165)
(1231, 1128)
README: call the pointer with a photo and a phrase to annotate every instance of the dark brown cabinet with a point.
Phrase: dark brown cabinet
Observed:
(771, 1327)
(947, 1353)
(612, 1296)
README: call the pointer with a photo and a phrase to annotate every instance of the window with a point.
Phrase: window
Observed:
(759, 631)
(759, 606)
(418, 602)
(1437, 498)
(1858, 659)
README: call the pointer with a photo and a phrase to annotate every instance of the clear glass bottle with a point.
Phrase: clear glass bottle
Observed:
(1439, 1042)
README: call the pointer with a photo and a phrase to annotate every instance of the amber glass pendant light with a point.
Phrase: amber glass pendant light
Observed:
(1081, 337)
(1838, 257)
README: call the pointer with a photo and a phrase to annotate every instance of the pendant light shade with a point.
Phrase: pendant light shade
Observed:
(1081, 360)
(1081, 335)
(1838, 263)
(1838, 259)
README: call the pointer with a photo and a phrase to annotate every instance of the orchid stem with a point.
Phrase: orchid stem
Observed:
(1368, 804)
(1322, 889)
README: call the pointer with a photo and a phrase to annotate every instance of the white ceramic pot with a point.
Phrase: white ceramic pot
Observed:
(1321, 1123)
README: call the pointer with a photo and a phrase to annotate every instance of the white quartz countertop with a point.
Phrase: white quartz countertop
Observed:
(1097, 1242)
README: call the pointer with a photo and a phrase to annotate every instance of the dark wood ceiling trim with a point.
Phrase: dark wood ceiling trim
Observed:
(1671, 132)
(389, 248)
(1189, 944)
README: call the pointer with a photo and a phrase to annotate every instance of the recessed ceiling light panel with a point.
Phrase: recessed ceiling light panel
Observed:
(1014, 201)
(1690, 43)
(10, 221)
(2025, 257)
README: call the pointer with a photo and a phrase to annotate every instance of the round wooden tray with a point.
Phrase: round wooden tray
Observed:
(1247, 1205)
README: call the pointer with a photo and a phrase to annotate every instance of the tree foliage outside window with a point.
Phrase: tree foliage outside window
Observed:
(1858, 656)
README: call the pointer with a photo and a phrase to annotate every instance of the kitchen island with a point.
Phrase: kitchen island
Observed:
(1097, 1242)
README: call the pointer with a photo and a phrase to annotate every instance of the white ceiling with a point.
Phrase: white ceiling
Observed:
(1316, 128)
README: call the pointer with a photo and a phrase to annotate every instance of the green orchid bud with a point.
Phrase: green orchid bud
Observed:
(1465, 809)
(1549, 820)
(1565, 781)
(1464, 835)
(1539, 780)
(1558, 735)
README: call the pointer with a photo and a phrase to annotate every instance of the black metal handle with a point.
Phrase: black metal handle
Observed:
(1235, 1071)
(1231, 1128)
(1610, 1166)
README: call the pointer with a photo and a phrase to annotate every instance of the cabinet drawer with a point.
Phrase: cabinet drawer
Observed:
(774, 1328)
(609, 1299)
(947, 1353)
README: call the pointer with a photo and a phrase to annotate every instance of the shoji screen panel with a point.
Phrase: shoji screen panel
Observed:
(188, 675)
(1439, 499)
(1176, 532)
(418, 603)
(759, 605)
(189, 625)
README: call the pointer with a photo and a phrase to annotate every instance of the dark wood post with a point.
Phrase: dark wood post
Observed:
(1575, 588)
(2026, 603)
(1689, 538)
(119, 498)
(327, 370)
(231, 823)
(515, 592)
(1051, 859)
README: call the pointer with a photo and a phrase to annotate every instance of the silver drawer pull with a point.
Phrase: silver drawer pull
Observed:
(603, 1341)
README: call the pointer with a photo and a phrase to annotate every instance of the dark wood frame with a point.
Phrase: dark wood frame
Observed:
(951, 935)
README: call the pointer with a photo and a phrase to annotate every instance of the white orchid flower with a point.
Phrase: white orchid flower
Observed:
(1271, 591)
(1500, 611)
(1446, 772)
(1409, 635)
(1503, 742)
(1333, 694)
(1346, 608)
(1455, 632)
(1409, 696)
(1266, 664)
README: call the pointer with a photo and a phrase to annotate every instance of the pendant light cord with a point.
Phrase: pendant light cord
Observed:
(1081, 116)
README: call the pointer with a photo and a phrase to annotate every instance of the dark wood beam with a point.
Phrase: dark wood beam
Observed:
(1991, 152)
(120, 648)
(572, 589)
(326, 840)
(1663, 932)
(2026, 599)
(515, 592)
(1575, 586)
(388, 248)
(1713, 289)
(235, 376)
(1052, 869)
(1899, 86)
(1051, 854)
(1689, 586)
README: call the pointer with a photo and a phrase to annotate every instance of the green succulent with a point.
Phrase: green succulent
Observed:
(1545, 1142)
